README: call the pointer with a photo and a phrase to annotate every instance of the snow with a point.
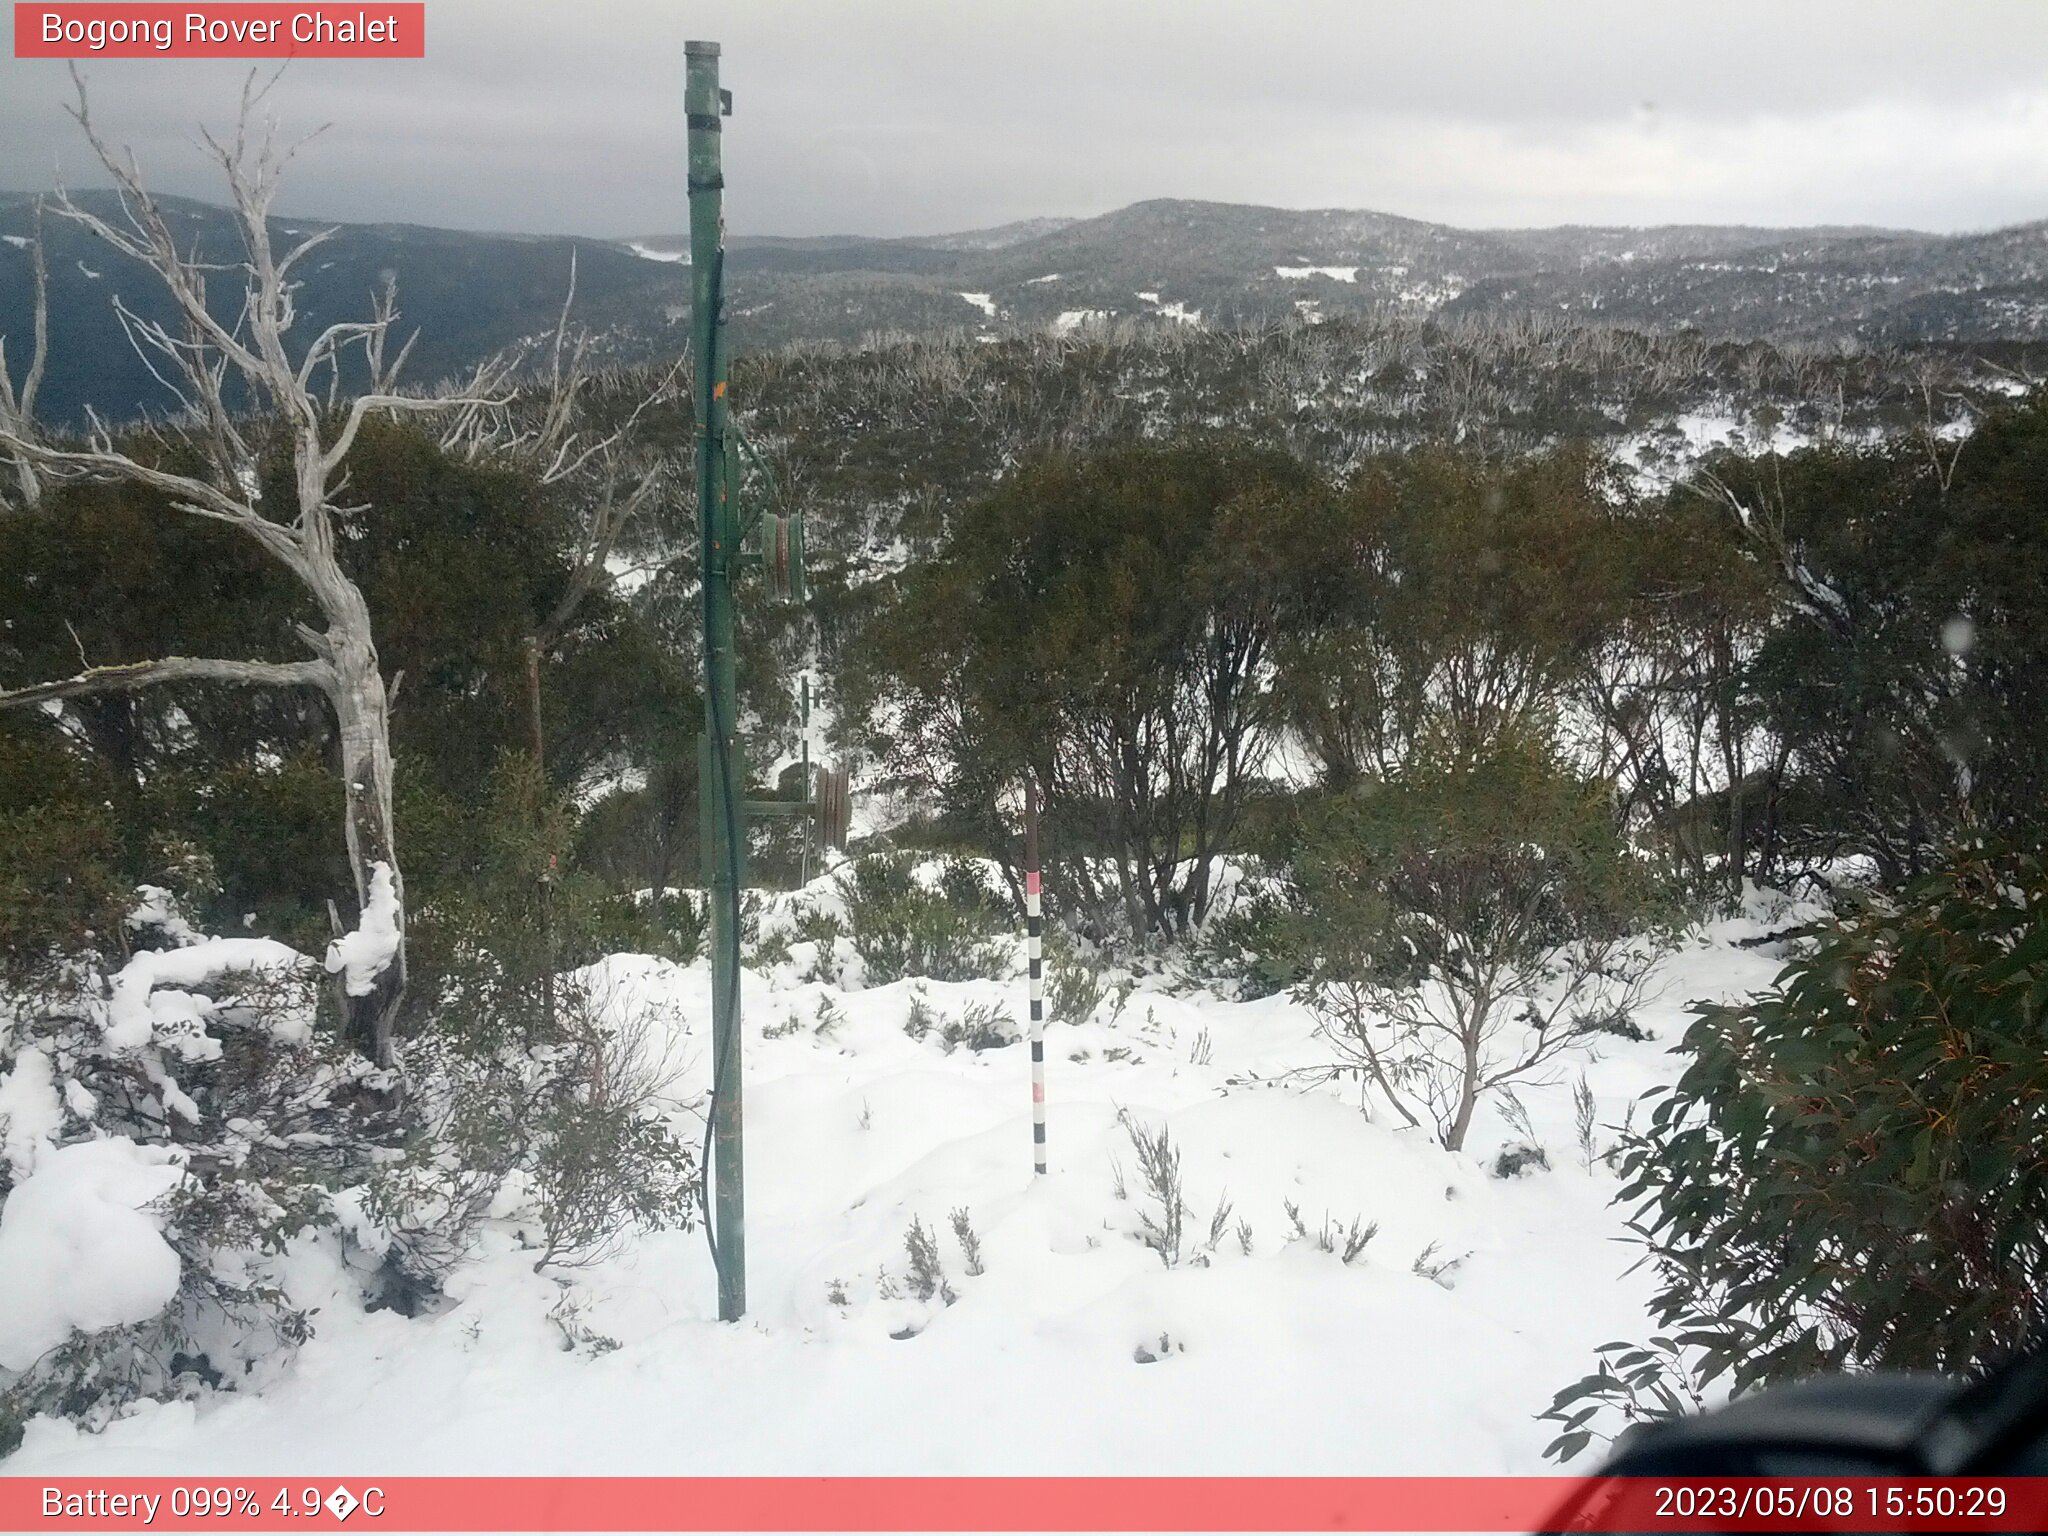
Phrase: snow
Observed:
(1283, 1360)
(1050, 277)
(657, 253)
(628, 575)
(156, 908)
(1338, 274)
(1176, 310)
(30, 1114)
(19, 242)
(79, 1249)
(984, 302)
(88, 271)
(138, 1014)
(363, 954)
(1071, 320)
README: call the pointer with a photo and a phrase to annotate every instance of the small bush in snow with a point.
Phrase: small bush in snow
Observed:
(899, 927)
(969, 1240)
(824, 930)
(1246, 949)
(1512, 1162)
(605, 1162)
(195, 1075)
(768, 951)
(980, 1027)
(1584, 1109)
(1465, 923)
(1346, 1242)
(1435, 1269)
(927, 1273)
(578, 1337)
(1075, 983)
(582, 1123)
(1518, 1158)
(1163, 1230)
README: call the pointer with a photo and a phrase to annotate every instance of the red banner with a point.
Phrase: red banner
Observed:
(375, 30)
(1482, 1504)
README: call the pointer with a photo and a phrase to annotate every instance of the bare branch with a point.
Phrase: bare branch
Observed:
(18, 407)
(130, 676)
(362, 405)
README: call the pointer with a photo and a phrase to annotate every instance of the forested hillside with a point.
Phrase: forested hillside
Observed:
(1508, 784)
(1161, 265)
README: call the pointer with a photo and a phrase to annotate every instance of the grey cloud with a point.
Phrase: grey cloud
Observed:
(903, 116)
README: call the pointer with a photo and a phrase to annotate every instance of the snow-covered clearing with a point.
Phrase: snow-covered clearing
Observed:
(984, 302)
(1336, 274)
(657, 253)
(1177, 309)
(1074, 1351)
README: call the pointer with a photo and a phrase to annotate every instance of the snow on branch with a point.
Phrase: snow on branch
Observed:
(363, 955)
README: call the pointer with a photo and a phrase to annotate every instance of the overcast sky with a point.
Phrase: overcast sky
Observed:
(916, 116)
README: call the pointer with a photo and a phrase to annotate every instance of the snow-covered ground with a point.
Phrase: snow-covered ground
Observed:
(1075, 1350)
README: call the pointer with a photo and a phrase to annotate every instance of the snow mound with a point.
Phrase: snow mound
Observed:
(80, 1250)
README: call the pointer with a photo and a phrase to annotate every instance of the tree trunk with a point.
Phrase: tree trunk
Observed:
(362, 710)
(1469, 1040)
(545, 896)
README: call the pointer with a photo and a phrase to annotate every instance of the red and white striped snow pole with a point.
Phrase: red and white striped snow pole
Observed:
(1034, 934)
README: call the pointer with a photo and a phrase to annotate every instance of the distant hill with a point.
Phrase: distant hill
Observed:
(1167, 261)
(467, 294)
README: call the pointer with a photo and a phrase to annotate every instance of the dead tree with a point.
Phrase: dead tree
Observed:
(18, 405)
(546, 423)
(205, 359)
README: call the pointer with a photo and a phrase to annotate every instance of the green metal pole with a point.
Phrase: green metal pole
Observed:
(719, 779)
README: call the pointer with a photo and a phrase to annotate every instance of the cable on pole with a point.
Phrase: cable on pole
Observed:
(1034, 936)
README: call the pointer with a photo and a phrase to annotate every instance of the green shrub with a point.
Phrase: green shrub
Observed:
(1462, 926)
(273, 835)
(60, 889)
(1854, 1170)
(900, 928)
(1075, 983)
(1247, 948)
(616, 923)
